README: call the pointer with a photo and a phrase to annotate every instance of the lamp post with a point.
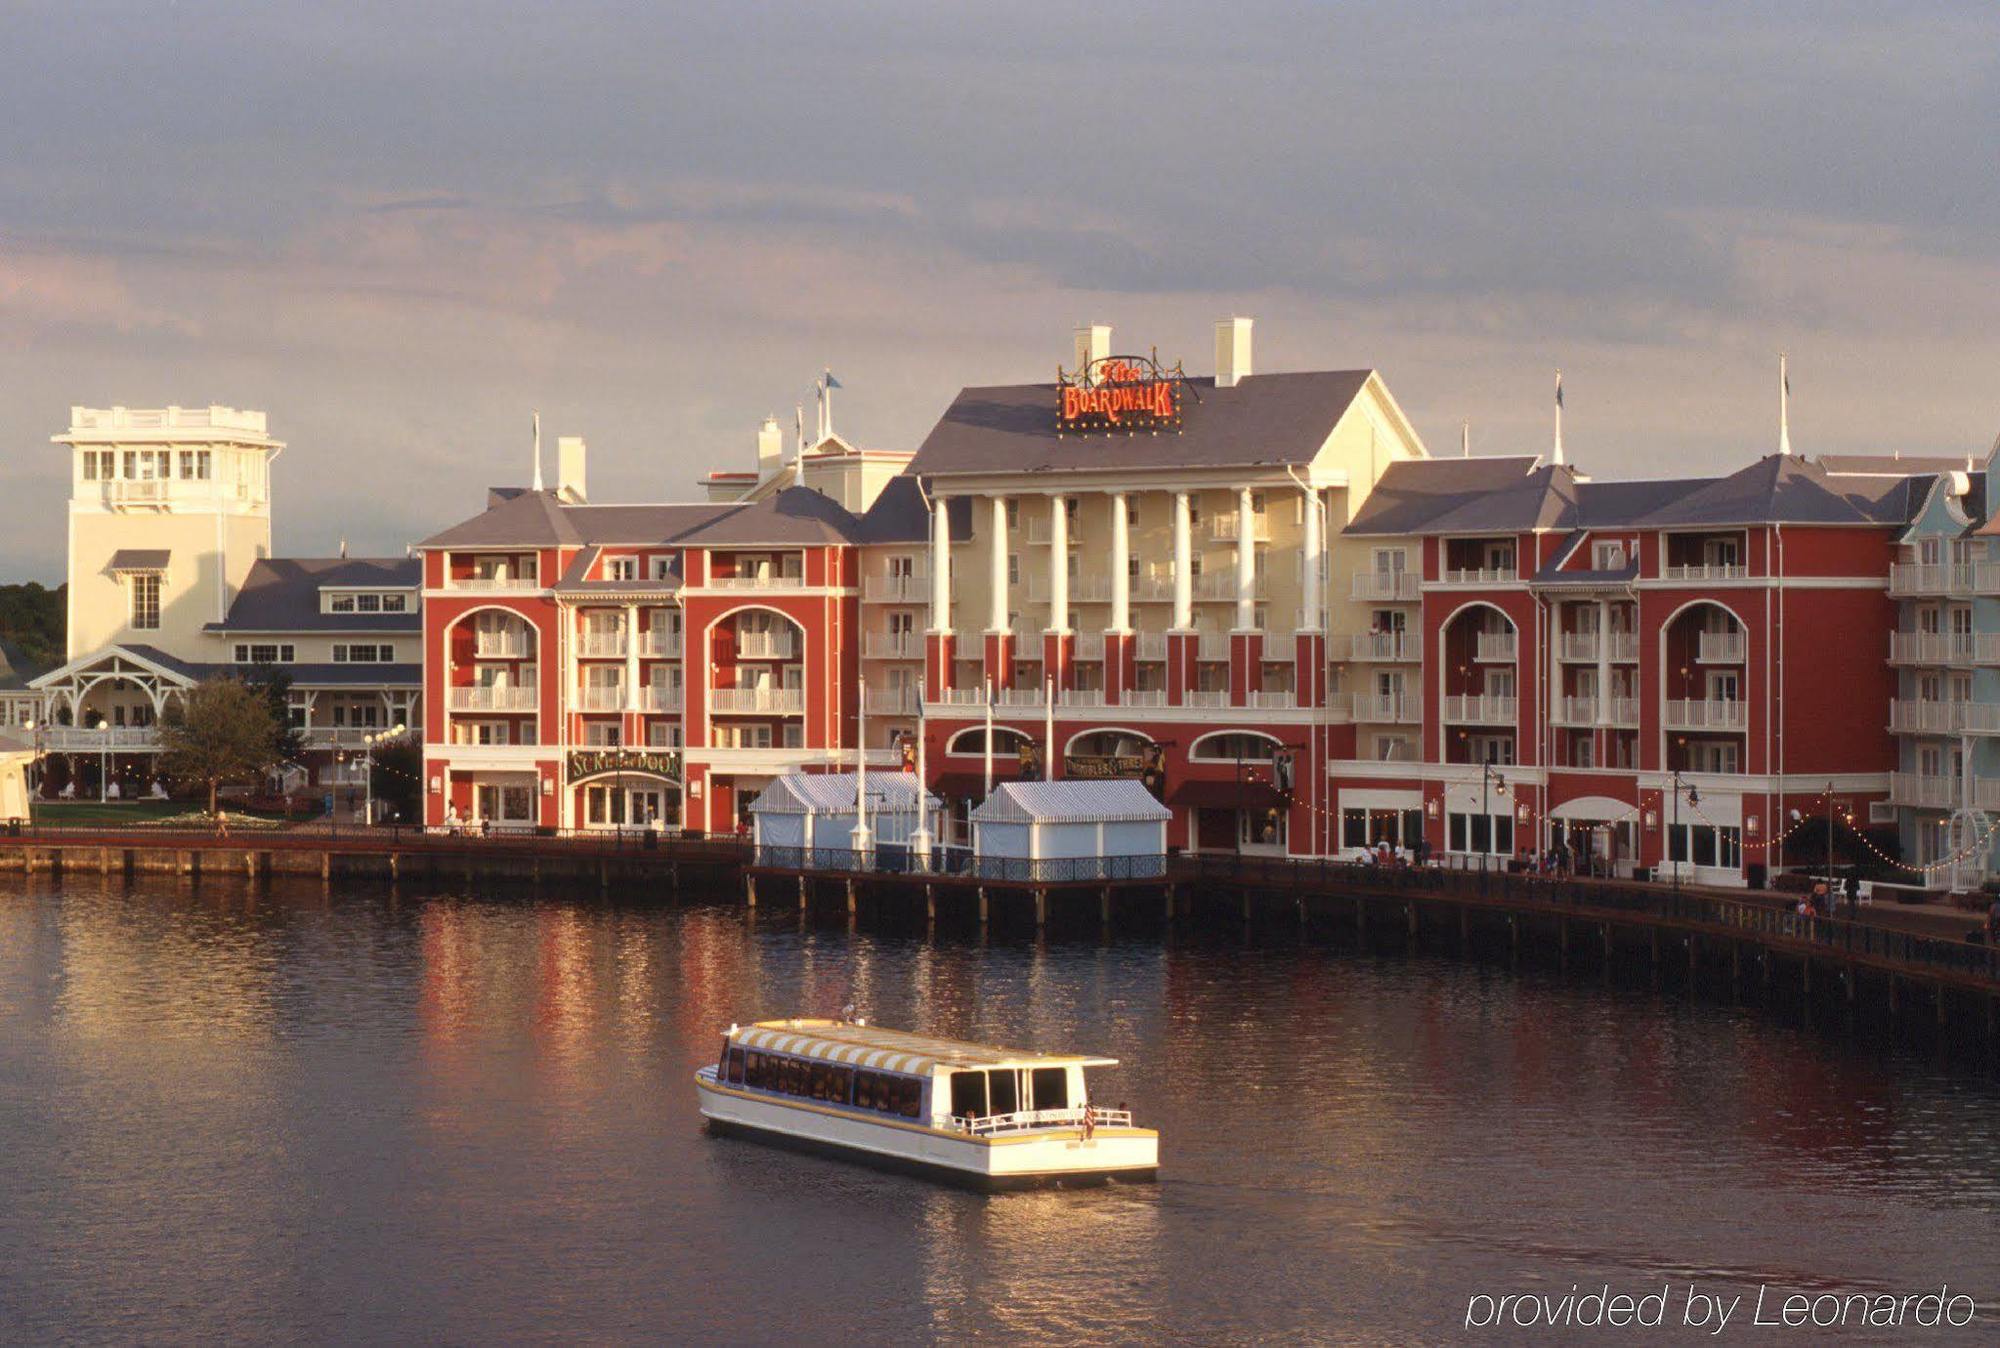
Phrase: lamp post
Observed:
(368, 743)
(1490, 780)
(1693, 799)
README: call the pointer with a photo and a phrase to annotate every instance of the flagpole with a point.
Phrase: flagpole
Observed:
(862, 839)
(920, 841)
(538, 448)
(1784, 407)
(1049, 731)
(989, 734)
(1559, 416)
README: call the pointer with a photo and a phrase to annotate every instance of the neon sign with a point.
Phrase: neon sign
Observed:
(1119, 393)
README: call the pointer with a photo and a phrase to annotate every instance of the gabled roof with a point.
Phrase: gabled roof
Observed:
(794, 516)
(900, 514)
(834, 793)
(1119, 800)
(1266, 419)
(1781, 489)
(1499, 495)
(282, 594)
(527, 519)
(16, 669)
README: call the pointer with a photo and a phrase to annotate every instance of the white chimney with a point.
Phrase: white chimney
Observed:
(1093, 343)
(770, 449)
(569, 468)
(1232, 352)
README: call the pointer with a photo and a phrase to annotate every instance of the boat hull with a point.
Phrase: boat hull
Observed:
(1037, 1159)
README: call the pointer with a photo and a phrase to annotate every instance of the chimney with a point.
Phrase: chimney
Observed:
(569, 469)
(770, 449)
(1092, 343)
(1232, 352)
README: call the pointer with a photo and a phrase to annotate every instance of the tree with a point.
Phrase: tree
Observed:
(34, 618)
(273, 683)
(398, 773)
(219, 732)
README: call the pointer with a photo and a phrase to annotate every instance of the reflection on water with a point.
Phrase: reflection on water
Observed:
(234, 1114)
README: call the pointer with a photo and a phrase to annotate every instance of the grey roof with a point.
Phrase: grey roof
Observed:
(527, 519)
(1610, 505)
(1265, 419)
(573, 582)
(1467, 496)
(1117, 800)
(173, 663)
(834, 793)
(1782, 489)
(796, 516)
(16, 668)
(140, 559)
(281, 594)
(345, 676)
(1890, 465)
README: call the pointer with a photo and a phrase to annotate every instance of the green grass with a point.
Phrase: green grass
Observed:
(59, 812)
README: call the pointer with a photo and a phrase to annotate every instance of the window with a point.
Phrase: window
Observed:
(661, 568)
(146, 602)
(621, 568)
(602, 735)
(341, 603)
(363, 653)
(263, 653)
(1719, 551)
(1013, 513)
(1492, 834)
(1607, 556)
(1013, 568)
(197, 465)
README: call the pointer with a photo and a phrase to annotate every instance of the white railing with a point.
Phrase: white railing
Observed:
(660, 645)
(962, 697)
(1931, 648)
(1724, 648)
(1153, 588)
(1481, 709)
(1222, 528)
(601, 645)
(1029, 1119)
(1925, 792)
(1081, 697)
(1624, 647)
(1018, 697)
(337, 736)
(494, 583)
(1387, 707)
(893, 646)
(1392, 586)
(493, 699)
(766, 645)
(1211, 645)
(500, 645)
(1705, 571)
(110, 737)
(1495, 646)
(1579, 645)
(892, 702)
(1143, 697)
(1923, 718)
(1481, 575)
(660, 697)
(1912, 578)
(1088, 646)
(896, 589)
(764, 701)
(1577, 711)
(1624, 711)
(1383, 646)
(1214, 585)
(1278, 699)
(601, 698)
(1093, 589)
(1152, 646)
(758, 580)
(1706, 714)
(1205, 697)
(138, 491)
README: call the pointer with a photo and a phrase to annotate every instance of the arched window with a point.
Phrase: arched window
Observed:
(1230, 746)
(972, 741)
(1110, 744)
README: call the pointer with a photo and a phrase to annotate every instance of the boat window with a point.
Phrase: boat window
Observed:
(736, 1066)
(722, 1060)
(909, 1097)
(968, 1095)
(1051, 1087)
(1003, 1089)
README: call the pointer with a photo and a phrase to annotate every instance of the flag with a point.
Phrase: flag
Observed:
(1559, 388)
(831, 382)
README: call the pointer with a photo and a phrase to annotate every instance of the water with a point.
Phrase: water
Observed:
(232, 1116)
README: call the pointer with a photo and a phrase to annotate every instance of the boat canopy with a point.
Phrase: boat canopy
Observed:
(883, 1050)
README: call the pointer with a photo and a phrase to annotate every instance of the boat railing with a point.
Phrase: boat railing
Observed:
(1023, 1120)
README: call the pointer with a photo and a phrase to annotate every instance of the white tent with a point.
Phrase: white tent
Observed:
(817, 810)
(1064, 820)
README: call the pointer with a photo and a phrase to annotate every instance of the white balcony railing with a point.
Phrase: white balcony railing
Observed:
(1577, 711)
(1211, 646)
(963, 697)
(1481, 709)
(1279, 699)
(766, 645)
(493, 699)
(601, 698)
(1143, 697)
(500, 645)
(1222, 527)
(1155, 587)
(1705, 571)
(601, 646)
(1152, 645)
(1018, 697)
(758, 580)
(758, 701)
(337, 736)
(660, 645)
(1221, 585)
(1393, 708)
(1585, 647)
(1384, 646)
(1624, 711)
(1624, 647)
(1481, 575)
(910, 589)
(1926, 792)
(661, 697)
(1722, 648)
(1580, 645)
(1929, 718)
(1944, 648)
(1386, 586)
(1706, 714)
(108, 737)
(893, 646)
(507, 582)
(1088, 646)
(892, 702)
(1922, 578)
(1495, 646)
(1205, 697)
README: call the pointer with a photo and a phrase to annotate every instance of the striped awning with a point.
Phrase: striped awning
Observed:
(883, 1050)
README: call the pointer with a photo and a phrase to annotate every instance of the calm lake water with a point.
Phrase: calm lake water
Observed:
(228, 1115)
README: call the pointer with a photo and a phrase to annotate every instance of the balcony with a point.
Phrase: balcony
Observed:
(891, 702)
(600, 698)
(1391, 708)
(1205, 697)
(1221, 585)
(911, 589)
(1706, 714)
(1909, 579)
(1088, 646)
(1580, 646)
(1576, 711)
(1144, 697)
(757, 701)
(1705, 571)
(1943, 718)
(500, 645)
(493, 583)
(962, 697)
(660, 645)
(660, 697)
(893, 646)
(1211, 646)
(1624, 647)
(68, 737)
(766, 645)
(1923, 792)
(1498, 646)
(1274, 699)
(1625, 711)
(1223, 528)
(601, 646)
(1397, 587)
(1155, 587)
(1481, 709)
(1018, 697)
(1481, 575)
(473, 698)
(1391, 646)
(1722, 648)
(759, 580)
(1152, 646)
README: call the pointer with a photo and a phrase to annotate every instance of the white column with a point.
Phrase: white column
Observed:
(1312, 620)
(1183, 561)
(1603, 663)
(1058, 564)
(1121, 566)
(940, 566)
(997, 541)
(1246, 564)
(631, 657)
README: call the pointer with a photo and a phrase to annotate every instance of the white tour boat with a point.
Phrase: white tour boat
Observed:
(992, 1118)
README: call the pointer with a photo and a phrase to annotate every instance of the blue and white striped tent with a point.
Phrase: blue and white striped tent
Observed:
(1040, 821)
(817, 809)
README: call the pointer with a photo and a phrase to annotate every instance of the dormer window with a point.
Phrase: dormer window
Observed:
(1607, 556)
(621, 568)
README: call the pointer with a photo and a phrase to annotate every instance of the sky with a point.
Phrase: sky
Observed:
(399, 227)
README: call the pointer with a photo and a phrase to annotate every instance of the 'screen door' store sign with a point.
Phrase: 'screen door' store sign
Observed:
(1119, 393)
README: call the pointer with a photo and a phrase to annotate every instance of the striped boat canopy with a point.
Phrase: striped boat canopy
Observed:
(877, 1049)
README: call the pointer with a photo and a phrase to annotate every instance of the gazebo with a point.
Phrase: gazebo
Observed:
(817, 810)
(1116, 823)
